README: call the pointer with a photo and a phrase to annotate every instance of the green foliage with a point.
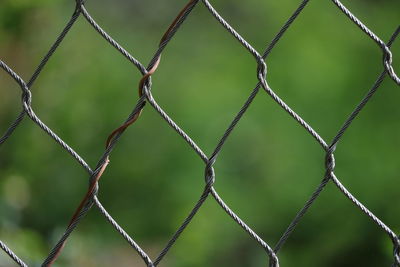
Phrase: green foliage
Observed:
(269, 167)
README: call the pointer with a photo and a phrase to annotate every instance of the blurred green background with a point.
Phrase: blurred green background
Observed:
(268, 168)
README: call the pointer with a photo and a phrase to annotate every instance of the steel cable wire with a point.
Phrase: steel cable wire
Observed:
(145, 96)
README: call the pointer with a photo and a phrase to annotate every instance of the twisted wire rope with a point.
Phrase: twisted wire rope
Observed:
(145, 95)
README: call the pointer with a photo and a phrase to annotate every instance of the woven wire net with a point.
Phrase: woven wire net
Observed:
(91, 199)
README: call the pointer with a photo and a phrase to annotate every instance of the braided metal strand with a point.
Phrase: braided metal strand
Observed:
(38, 70)
(12, 255)
(333, 144)
(145, 95)
(387, 58)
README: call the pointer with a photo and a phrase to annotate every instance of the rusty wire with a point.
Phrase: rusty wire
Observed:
(90, 199)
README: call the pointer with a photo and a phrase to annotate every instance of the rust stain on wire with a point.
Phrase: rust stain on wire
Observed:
(119, 130)
(91, 194)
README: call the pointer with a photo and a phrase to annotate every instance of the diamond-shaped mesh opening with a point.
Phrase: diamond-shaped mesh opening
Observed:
(146, 100)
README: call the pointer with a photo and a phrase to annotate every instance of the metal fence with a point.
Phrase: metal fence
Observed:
(145, 96)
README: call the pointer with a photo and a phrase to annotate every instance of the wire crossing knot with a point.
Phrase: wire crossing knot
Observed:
(91, 200)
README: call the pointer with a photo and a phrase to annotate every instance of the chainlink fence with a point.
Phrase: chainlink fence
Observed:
(91, 200)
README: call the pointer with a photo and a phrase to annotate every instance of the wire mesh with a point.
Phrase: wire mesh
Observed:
(90, 199)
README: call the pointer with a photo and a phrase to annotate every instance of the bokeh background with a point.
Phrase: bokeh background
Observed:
(268, 168)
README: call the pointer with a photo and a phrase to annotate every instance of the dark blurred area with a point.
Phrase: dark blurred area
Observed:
(322, 67)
